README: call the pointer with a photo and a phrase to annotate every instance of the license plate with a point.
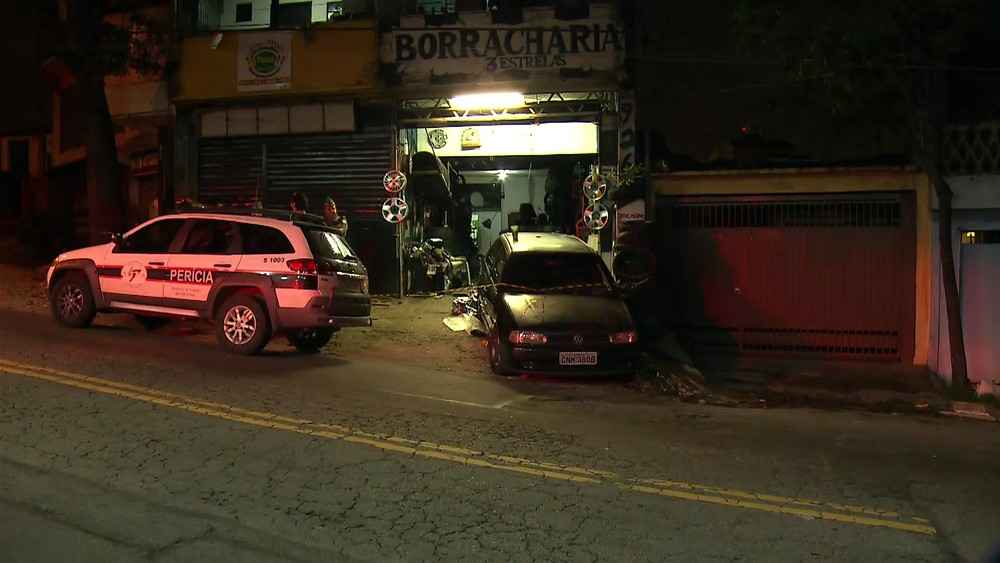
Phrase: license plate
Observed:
(578, 358)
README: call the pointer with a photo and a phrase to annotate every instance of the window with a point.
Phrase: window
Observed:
(151, 239)
(562, 272)
(325, 244)
(981, 237)
(292, 16)
(334, 10)
(244, 13)
(258, 239)
(211, 237)
(436, 6)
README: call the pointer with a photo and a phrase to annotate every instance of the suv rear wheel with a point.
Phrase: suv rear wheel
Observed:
(310, 340)
(72, 301)
(242, 326)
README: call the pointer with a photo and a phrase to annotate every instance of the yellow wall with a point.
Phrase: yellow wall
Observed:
(334, 59)
(828, 180)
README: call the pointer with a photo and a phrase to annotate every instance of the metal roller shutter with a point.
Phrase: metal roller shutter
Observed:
(348, 167)
(820, 276)
(229, 170)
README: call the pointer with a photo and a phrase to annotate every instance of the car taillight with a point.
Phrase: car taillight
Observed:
(628, 337)
(522, 337)
(302, 266)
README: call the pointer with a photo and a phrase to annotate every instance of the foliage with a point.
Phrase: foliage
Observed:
(629, 183)
(106, 39)
(861, 59)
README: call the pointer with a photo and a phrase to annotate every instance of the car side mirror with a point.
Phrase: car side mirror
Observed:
(116, 238)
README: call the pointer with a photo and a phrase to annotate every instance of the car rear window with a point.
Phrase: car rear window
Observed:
(258, 239)
(555, 272)
(326, 244)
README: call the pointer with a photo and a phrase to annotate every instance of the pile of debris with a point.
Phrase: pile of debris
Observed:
(465, 316)
(670, 377)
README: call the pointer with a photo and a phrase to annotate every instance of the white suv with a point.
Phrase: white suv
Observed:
(254, 273)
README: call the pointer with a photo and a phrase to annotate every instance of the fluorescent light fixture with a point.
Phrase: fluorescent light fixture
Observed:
(491, 100)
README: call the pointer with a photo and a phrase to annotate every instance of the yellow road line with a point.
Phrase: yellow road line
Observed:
(802, 508)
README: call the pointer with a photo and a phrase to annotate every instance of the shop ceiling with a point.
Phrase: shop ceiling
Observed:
(544, 107)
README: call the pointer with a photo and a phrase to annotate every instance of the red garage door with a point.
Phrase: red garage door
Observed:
(822, 276)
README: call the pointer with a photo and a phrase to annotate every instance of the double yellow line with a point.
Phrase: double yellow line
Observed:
(803, 508)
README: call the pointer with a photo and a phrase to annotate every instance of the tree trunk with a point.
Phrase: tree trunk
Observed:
(949, 282)
(104, 193)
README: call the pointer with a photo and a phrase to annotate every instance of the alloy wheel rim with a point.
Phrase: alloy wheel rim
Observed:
(240, 325)
(70, 302)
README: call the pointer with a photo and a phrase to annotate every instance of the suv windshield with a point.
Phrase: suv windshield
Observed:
(561, 272)
(325, 244)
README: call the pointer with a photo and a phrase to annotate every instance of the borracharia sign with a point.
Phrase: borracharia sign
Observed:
(478, 51)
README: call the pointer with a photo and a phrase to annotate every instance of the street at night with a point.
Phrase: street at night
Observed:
(500, 280)
(121, 445)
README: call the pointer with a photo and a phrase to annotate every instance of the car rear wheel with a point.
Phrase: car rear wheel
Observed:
(72, 301)
(242, 325)
(310, 340)
(498, 361)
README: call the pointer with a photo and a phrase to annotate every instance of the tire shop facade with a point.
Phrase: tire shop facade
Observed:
(264, 113)
(828, 264)
(511, 94)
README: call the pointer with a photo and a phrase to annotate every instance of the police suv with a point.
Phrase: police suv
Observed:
(254, 274)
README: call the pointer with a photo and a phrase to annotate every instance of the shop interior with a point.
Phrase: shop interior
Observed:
(473, 182)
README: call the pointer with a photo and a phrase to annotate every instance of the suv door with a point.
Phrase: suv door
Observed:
(210, 247)
(265, 248)
(131, 270)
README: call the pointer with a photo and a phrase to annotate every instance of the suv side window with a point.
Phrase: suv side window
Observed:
(210, 236)
(151, 239)
(258, 239)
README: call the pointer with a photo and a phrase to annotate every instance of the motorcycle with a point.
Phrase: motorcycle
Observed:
(435, 267)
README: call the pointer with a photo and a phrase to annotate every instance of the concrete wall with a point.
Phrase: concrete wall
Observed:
(976, 207)
(210, 74)
(262, 13)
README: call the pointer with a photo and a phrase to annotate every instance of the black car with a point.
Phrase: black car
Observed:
(550, 306)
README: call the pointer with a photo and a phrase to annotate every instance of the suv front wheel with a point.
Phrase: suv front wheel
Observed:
(72, 301)
(310, 340)
(242, 326)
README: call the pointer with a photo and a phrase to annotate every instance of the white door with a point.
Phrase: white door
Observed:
(132, 270)
(210, 249)
(981, 306)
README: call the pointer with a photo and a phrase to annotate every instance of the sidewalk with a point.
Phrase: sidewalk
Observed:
(23, 289)
(870, 386)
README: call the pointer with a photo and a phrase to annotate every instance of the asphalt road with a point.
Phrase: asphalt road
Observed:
(117, 445)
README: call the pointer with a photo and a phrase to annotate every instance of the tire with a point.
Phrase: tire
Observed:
(72, 301)
(498, 357)
(242, 326)
(310, 340)
(151, 323)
